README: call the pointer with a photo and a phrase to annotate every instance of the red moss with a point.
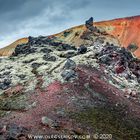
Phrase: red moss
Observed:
(119, 69)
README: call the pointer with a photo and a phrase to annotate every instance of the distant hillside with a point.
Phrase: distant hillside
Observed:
(126, 30)
(10, 48)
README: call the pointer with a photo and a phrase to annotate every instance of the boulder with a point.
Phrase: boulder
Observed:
(89, 24)
(65, 47)
(49, 58)
(46, 50)
(68, 47)
(49, 122)
(30, 40)
(82, 49)
(105, 59)
(35, 65)
(15, 132)
(68, 54)
(22, 76)
(68, 74)
(52, 43)
(70, 64)
(119, 69)
(23, 49)
(69, 70)
(5, 84)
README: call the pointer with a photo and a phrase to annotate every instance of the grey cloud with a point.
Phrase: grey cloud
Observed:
(21, 18)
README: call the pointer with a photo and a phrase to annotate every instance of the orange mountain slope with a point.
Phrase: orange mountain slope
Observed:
(126, 30)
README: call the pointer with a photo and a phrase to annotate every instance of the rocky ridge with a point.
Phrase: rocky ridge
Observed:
(124, 30)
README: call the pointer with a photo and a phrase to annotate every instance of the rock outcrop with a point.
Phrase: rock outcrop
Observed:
(89, 24)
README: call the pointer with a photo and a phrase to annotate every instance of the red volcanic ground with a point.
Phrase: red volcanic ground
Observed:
(65, 103)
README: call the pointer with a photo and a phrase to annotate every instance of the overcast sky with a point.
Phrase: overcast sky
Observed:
(23, 18)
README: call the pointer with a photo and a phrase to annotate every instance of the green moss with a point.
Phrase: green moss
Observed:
(132, 47)
(66, 33)
(109, 121)
(13, 103)
(2, 113)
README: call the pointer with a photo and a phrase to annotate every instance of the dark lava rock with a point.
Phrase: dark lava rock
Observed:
(2, 70)
(68, 74)
(127, 55)
(89, 24)
(69, 70)
(105, 59)
(23, 49)
(15, 132)
(52, 43)
(22, 76)
(82, 49)
(121, 58)
(5, 84)
(38, 40)
(35, 65)
(70, 64)
(65, 47)
(86, 36)
(46, 50)
(69, 54)
(31, 40)
(49, 58)
(41, 41)
(6, 73)
(2, 76)
(28, 61)
(68, 47)
(12, 57)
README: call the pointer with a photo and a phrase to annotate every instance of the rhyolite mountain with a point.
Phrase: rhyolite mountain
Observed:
(125, 30)
(82, 81)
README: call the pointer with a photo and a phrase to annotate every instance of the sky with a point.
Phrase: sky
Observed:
(23, 18)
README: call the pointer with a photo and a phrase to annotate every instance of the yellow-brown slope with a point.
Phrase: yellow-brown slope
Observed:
(8, 50)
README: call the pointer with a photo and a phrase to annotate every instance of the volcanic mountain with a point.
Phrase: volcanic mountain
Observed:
(125, 30)
(82, 83)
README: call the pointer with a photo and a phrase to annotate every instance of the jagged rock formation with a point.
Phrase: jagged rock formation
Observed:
(57, 85)
(89, 24)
